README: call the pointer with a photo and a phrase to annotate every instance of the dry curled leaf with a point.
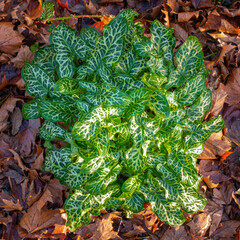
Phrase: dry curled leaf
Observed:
(5, 110)
(10, 40)
(23, 55)
(186, 16)
(233, 87)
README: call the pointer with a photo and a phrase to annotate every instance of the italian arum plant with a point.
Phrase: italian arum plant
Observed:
(131, 112)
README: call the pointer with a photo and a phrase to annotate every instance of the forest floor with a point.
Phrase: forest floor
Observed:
(31, 200)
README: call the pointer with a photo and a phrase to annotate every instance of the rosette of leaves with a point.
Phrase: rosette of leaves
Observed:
(131, 112)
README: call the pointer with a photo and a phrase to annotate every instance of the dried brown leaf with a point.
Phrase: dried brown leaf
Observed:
(23, 55)
(211, 174)
(186, 16)
(16, 120)
(26, 138)
(227, 230)
(178, 233)
(200, 224)
(8, 203)
(5, 110)
(10, 40)
(233, 87)
(218, 99)
(179, 32)
(215, 146)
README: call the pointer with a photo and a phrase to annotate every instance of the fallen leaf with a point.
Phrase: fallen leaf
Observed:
(38, 163)
(26, 138)
(225, 38)
(200, 224)
(223, 196)
(218, 99)
(225, 50)
(36, 219)
(5, 110)
(35, 9)
(186, 16)
(178, 233)
(225, 155)
(231, 116)
(215, 146)
(217, 22)
(211, 174)
(16, 120)
(173, 4)
(195, 3)
(233, 87)
(10, 40)
(227, 229)
(4, 83)
(179, 32)
(24, 54)
(4, 150)
(232, 165)
(8, 203)
(236, 199)
(230, 12)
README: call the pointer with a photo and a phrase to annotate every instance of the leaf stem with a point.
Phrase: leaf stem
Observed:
(70, 17)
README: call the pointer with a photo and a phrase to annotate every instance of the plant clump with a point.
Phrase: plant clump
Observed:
(132, 112)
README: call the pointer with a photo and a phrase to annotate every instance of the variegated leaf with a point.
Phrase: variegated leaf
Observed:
(38, 82)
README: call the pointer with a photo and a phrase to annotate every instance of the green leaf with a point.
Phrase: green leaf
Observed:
(163, 41)
(159, 104)
(200, 107)
(79, 207)
(58, 111)
(167, 211)
(91, 125)
(48, 8)
(189, 60)
(45, 58)
(67, 85)
(74, 177)
(50, 131)
(101, 179)
(30, 110)
(192, 90)
(131, 184)
(67, 46)
(56, 162)
(154, 81)
(38, 82)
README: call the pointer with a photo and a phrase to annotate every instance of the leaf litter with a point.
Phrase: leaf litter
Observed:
(31, 200)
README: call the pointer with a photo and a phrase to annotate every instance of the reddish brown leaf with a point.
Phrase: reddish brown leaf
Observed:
(16, 120)
(215, 146)
(35, 9)
(40, 218)
(8, 203)
(228, 229)
(26, 138)
(3, 83)
(200, 224)
(211, 174)
(5, 110)
(233, 87)
(218, 99)
(24, 54)
(186, 16)
(225, 155)
(10, 40)
(173, 4)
